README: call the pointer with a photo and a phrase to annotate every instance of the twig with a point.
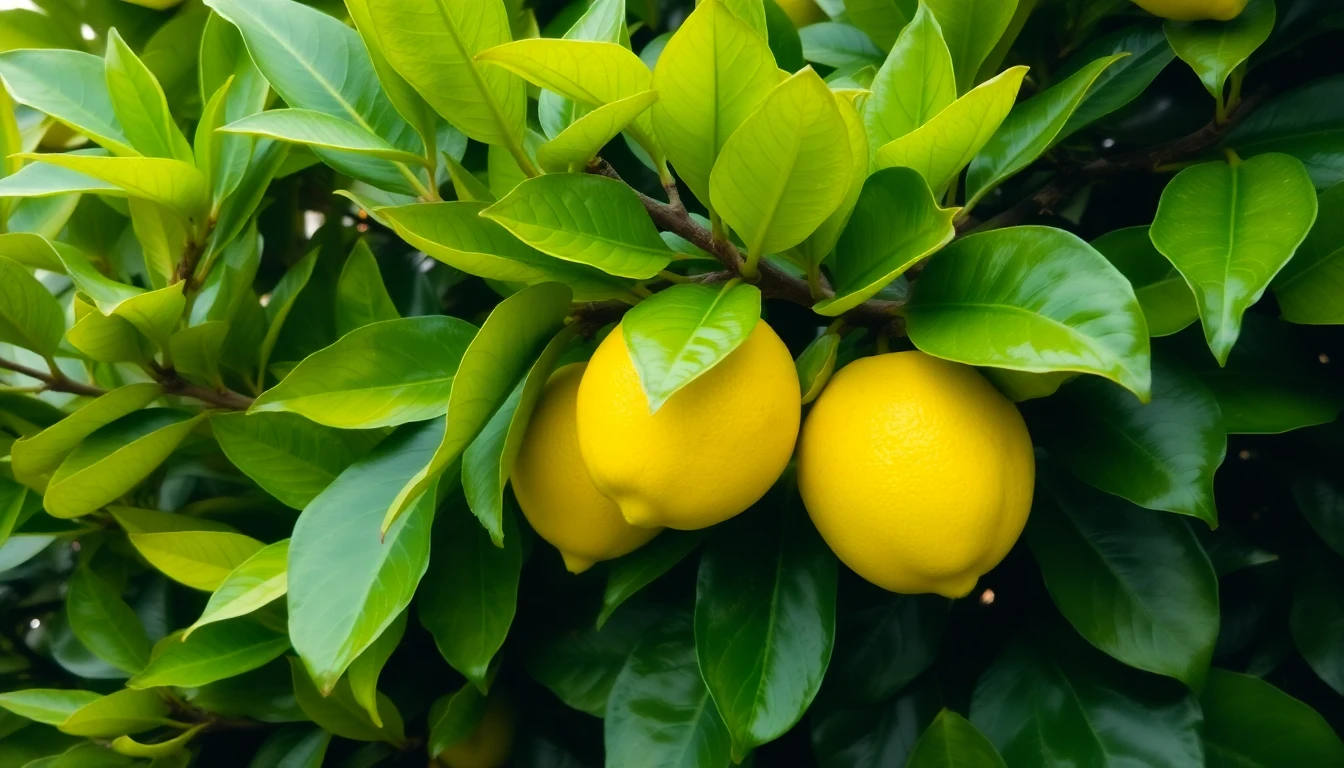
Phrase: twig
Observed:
(171, 382)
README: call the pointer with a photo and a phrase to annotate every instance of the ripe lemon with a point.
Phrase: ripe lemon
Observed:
(916, 471)
(554, 490)
(490, 744)
(802, 12)
(1194, 10)
(712, 450)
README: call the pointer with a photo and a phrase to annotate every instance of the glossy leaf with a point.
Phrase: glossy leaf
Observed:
(410, 104)
(196, 352)
(198, 559)
(631, 573)
(318, 129)
(118, 714)
(952, 742)
(971, 28)
(139, 104)
(1167, 302)
(1248, 722)
(466, 185)
(339, 713)
(361, 296)
(580, 666)
(1317, 617)
(78, 98)
(367, 666)
(213, 653)
(818, 245)
(816, 364)
(838, 45)
(1136, 584)
(257, 581)
(139, 520)
(846, 736)
(883, 642)
(914, 84)
(1306, 122)
(1123, 81)
(384, 374)
(586, 219)
(678, 334)
(454, 717)
(1214, 48)
(290, 457)
(337, 613)
(895, 224)
(104, 623)
(1031, 299)
(30, 316)
(46, 705)
(1309, 287)
(171, 183)
(1228, 229)
(940, 148)
(580, 141)
(166, 749)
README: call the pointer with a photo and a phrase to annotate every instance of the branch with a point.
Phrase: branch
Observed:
(172, 384)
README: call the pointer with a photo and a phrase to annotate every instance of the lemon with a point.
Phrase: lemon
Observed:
(1194, 10)
(554, 490)
(916, 471)
(802, 12)
(712, 450)
(490, 744)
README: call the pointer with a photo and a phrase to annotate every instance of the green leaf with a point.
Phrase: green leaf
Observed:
(384, 374)
(108, 339)
(114, 459)
(1228, 229)
(196, 352)
(858, 737)
(1121, 82)
(457, 235)
(140, 106)
(1317, 618)
(265, 694)
(317, 129)
(582, 139)
(580, 666)
(361, 296)
(1049, 695)
(660, 714)
(488, 461)
(1030, 129)
(1322, 504)
(223, 55)
(497, 357)
(1250, 723)
(46, 705)
(121, 713)
(335, 614)
(282, 300)
(821, 242)
(1135, 583)
(198, 559)
(338, 712)
(940, 148)
(602, 21)
(678, 334)
(32, 250)
(466, 185)
(173, 184)
(1167, 302)
(631, 573)
(104, 623)
(914, 84)
(1214, 48)
(816, 364)
(453, 717)
(137, 520)
(409, 104)
(785, 169)
(782, 35)
(125, 745)
(895, 224)
(972, 28)
(30, 316)
(77, 96)
(41, 180)
(714, 73)
(470, 593)
(1306, 122)
(1161, 455)
(765, 619)
(986, 295)
(585, 219)
(367, 666)
(883, 642)
(839, 45)
(433, 46)
(290, 457)
(1309, 286)
(212, 653)
(257, 581)
(952, 742)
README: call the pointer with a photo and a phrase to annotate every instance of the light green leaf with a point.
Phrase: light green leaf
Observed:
(317, 129)
(163, 238)
(198, 559)
(971, 28)
(821, 242)
(603, 21)
(1030, 129)
(433, 45)
(1168, 305)
(171, 183)
(839, 45)
(365, 669)
(1031, 299)
(940, 148)
(30, 316)
(895, 224)
(1248, 722)
(256, 582)
(77, 96)
(49, 706)
(168, 748)
(197, 350)
(585, 219)
(338, 712)
(361, 296)
(502, 351)
(678, 334)
(139, 520)
(213, 653)
(223, 55)
(404, 98)
(914, 84)
(466, 185)
(1310, 286)
(154, 313)
(582, 139)
(290, 457)
(786, 168)
(108, 339)
(118, 714)
(951, 741)
(1229, 229)
(1214, 48)
(114, 459)
(282, 300)
(384, 374)
(40, 180)
(337, 613)
(140, 106)
(33, 250)
(104, 623)
(591, 73)
(714, 73)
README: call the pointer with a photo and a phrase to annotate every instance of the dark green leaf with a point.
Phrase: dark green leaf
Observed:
(367, 666)
(816, 364)
(453, 717)
(1123, 81)
(883, 643)
(1317, 619)
(870, 735)
(1168, 305)
(1322, 504)
(580, 666)
(951, 741)
(292, 747)
(838, 45)
(1249, 723)
(1306, 122)
(637, 570)
(105, 623)
(1309, 287)
(338, 712)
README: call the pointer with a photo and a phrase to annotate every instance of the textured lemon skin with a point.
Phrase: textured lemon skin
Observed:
(712, 450)
(916, 471)
(802, 12)
(490, 745)
(554, 490)
(1194, 10)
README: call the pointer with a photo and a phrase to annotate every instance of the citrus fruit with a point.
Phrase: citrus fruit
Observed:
(712, 450)
(553, 487)
(1194, 10)
(916, 471)
(490, 744)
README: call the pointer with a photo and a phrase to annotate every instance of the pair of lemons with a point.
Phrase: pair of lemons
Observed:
(915, 470)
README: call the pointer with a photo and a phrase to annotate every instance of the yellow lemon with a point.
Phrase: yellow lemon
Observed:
(490, 745)
(916, 471)
(1194, 10)
(802, 12)
(554, 490)
(712, 450)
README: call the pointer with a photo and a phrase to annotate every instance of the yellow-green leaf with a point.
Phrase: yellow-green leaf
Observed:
(583, 138)
(198, 559)
(171, 183)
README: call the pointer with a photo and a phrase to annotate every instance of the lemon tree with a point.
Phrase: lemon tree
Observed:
(679, 384)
